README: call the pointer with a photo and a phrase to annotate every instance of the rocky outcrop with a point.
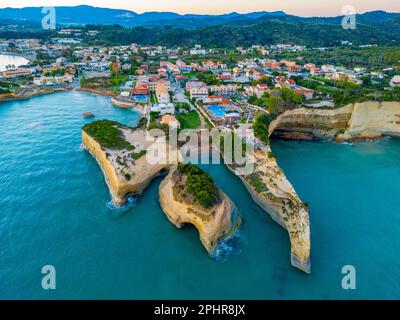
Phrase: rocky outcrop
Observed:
(314, 123)
(126, 172)
(214, 224)
(371, 119)
(271, 190)
(358, 121)
(267, 185)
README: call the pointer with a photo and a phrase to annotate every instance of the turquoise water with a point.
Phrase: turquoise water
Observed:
(54, 209)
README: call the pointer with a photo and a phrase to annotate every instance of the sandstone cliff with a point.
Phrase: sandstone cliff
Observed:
(271, 190)
(311, 123)
(124, 172)
(364, 120)
(213, 224)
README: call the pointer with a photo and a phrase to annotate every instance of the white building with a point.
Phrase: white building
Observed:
(194, 52)
(224, 90)
(199, 93)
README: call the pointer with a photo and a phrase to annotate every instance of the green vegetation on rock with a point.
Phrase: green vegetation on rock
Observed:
(200, 185)
(260, 125)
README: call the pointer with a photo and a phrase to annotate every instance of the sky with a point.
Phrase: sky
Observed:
(296, 7)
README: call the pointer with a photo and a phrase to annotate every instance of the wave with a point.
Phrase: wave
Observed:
(347, 143)
(115, 211)
(34, 125)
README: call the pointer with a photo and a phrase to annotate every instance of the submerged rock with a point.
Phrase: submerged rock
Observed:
(88, 115)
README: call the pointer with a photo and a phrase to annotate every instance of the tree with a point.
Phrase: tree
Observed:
(261, 126)
(290, 97)
(366, 80)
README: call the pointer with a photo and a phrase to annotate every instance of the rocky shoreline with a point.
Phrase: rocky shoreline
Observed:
(125, 177)
(102, 92)
(277, 196)
(267, 185)
(123, 180)
(272, 191)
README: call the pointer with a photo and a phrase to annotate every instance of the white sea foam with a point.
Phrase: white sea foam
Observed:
(229, 246)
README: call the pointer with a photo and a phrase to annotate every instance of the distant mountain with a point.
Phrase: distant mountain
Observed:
(227, 30)
(81, 15)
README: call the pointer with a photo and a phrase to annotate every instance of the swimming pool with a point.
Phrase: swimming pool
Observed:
(140, 98)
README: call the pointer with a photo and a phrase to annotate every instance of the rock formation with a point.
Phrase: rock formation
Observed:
(214, 223)
(126, 170)
(364, 120)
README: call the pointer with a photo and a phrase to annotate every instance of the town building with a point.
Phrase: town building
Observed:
(163, 108)
(162, 93)
(224, 90)
(15, 73)
(199, 93)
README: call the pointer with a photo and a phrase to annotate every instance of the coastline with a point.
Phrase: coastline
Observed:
(268, 186)
(142, 172)
(11, 97)
(102, 92)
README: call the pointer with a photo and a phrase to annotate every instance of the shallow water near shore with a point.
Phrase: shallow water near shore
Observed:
(54, 209)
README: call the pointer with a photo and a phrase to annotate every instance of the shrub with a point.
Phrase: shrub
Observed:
(200, 185)
(107, 134)
(260, 125)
